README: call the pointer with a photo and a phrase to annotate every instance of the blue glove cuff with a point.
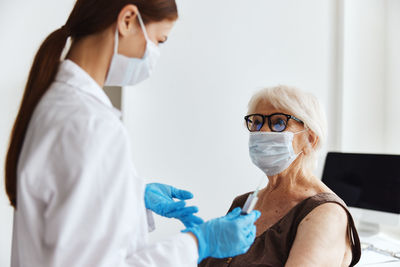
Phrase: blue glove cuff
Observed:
(202, 244)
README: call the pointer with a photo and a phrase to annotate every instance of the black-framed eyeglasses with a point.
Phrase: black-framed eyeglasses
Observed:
(277, 122)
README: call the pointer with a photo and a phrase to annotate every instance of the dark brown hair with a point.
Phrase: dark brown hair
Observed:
(87, 17)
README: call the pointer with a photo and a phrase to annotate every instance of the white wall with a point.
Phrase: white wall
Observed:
(392, 101)
(364, 76)
(186, 122)
(371, 83)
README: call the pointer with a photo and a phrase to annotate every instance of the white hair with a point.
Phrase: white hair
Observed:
(304, 106)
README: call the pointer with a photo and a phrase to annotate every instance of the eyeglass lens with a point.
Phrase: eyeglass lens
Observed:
(278, 122)
(255, 123)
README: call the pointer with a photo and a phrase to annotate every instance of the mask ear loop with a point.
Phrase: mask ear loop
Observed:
(304, 130)
(116, 41)
(142, 26)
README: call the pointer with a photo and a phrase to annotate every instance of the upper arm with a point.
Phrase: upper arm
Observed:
(321, 238)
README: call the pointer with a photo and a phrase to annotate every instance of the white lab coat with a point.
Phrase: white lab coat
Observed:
(80, 202)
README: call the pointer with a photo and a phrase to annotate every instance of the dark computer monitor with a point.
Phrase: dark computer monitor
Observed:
(366, 181)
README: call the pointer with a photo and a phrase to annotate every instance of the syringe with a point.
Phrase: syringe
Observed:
(251, 200)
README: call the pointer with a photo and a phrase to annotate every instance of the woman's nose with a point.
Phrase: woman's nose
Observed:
(265, 128)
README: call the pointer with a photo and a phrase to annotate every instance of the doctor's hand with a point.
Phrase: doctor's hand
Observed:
(226, 236)
(160, 199)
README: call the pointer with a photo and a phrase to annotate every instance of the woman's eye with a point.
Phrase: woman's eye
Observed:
(279, 125)
(258, 125)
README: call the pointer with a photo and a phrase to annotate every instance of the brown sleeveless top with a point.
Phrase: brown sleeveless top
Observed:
(271, 248)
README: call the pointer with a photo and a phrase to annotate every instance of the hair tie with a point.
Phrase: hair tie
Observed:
(68, 42)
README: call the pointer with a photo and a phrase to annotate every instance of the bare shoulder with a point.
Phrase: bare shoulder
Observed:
(326, 215)
(321, 238)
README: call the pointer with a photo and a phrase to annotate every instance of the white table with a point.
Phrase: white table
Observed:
(384, 241)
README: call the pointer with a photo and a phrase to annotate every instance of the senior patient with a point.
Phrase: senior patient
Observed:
(303, 223)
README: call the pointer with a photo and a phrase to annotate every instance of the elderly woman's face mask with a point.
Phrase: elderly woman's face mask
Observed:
(272, 152)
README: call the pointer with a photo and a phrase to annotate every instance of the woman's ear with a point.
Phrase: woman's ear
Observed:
(127, 22)
(312, 142)
(313, 139)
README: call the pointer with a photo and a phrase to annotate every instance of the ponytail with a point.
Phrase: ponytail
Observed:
(41, 75)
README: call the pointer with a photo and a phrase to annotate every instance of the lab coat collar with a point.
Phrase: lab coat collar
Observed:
(70, 73)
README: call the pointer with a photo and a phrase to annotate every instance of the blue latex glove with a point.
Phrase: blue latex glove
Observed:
(226, 236)
(160, 199)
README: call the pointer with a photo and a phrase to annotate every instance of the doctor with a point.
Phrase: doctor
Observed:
(69, 172)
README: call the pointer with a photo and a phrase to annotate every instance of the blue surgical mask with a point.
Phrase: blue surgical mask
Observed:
(272, 152)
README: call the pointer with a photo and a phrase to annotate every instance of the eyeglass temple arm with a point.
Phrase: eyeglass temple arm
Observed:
(296, 119)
